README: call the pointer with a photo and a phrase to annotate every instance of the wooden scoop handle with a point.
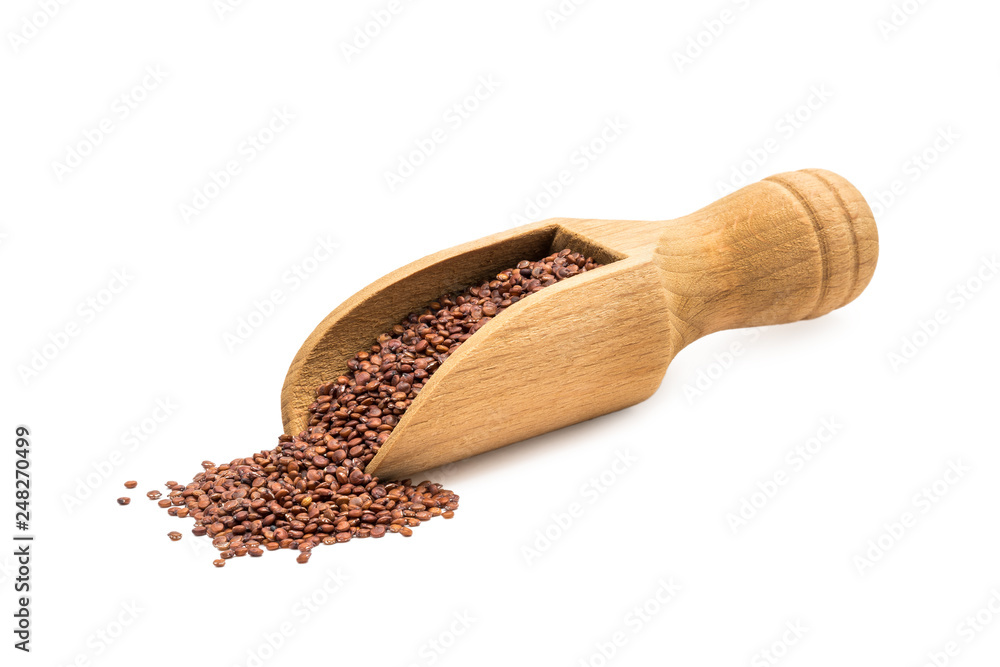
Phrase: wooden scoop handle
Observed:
(791, 247)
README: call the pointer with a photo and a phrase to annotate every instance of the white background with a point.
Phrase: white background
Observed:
(886, 96)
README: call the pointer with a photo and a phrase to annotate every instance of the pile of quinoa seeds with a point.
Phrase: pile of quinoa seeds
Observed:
(312, 489)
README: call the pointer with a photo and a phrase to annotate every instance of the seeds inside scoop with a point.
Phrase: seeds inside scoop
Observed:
(312, 489)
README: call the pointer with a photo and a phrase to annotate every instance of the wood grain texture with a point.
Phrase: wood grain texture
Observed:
(792, 247)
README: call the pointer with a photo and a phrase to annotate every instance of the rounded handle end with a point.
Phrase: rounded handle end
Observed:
(794, 246)
(846, 235)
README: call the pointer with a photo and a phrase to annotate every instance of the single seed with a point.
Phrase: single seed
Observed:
(218, 562)
(174, 535)
(153, 495)
(131, 485)
(124, 501)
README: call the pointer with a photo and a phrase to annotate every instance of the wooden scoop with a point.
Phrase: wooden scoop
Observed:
(792, 247)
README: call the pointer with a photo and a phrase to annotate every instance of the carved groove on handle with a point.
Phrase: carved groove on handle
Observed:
(856, 266)
(824, 246)
(791, 247)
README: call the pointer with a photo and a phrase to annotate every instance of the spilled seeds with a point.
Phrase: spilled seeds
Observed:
(312, 489)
